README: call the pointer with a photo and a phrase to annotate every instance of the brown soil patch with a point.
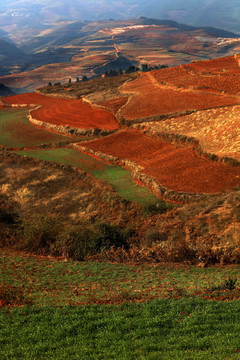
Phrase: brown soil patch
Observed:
(150, 98)
(176, 168)
(74, 113)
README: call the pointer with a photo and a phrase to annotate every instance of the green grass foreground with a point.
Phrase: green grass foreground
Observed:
(16, 130)
(161, 329)
(119, 178)
(155, 312)
(47, 281)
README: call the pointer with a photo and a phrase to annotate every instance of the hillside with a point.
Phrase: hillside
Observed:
(73, 49)
(156, 151)
(223, 14)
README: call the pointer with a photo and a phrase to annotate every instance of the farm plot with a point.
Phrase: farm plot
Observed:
(218, 75)
(217, 130)
(229, 63)
(16, 131)
(176, 168)
(149, 99)
(114, 104)
(74, 113)
(119, 178)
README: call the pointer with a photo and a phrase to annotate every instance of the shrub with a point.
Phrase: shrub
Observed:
(157, 208)
(13, 295)
(38, 233)
(153, 236)
(228, 284)
(76, 241)
(79, 241)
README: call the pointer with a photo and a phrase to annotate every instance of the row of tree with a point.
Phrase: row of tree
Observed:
(112, 73)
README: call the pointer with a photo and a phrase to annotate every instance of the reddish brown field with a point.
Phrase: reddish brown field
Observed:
(150, 98)
(230, 63)
(219, 75)
(176, 168)
(114, 104)
(217, 129)
(59, 111)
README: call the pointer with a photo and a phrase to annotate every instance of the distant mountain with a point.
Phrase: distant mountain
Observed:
(224, 14)
(72, 49)
(6, 91)
(10, 56)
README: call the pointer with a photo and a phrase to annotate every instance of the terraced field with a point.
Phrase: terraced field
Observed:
(16, 131)
(58, 111)
(176, 168)
(217, 130)
(216, 76)
(149, 98)
(214, 122)
(119, 178)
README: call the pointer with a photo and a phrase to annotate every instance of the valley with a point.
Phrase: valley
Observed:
(73, 49)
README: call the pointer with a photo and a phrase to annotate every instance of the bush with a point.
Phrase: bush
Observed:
(79, 241)
(153, 236)
(76, 241)
(38, 234)
(228, 284)
(13, 295)
(157, 208)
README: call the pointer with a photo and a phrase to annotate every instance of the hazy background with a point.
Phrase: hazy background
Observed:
(223, 14)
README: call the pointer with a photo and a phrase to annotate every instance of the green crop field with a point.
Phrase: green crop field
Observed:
(16, 130)
(119, 178)
(172, 325)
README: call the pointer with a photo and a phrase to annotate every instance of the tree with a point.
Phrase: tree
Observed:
(85, 78)
(49, 84)
(77, 79)
(144, 67)
(70, 81)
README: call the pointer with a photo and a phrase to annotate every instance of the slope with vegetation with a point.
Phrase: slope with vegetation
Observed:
(110, 236)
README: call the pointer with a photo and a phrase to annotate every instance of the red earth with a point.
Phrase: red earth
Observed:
(176, 168)
(60, 111)
(150, 98)
(217, 65)
(218, 75)
(114, 104)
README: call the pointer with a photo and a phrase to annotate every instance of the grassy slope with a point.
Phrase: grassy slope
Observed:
(50, 282)
(185, 328)
(119, 178)
(163, 329)
(16, 131)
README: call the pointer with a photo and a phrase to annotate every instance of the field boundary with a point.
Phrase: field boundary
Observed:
(145, 180)
(67, 129)
(187, 141)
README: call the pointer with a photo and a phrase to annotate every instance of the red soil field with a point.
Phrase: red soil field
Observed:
(149, 98)
(176, 168)
(217, 129)
(114, 104)
(219, 75)
(59, 111)
(217, 65)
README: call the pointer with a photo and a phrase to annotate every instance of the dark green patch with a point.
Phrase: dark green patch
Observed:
(16, 130)
(162, 329)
